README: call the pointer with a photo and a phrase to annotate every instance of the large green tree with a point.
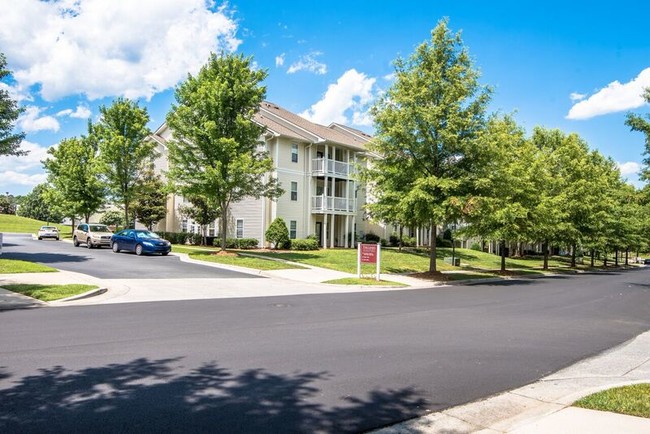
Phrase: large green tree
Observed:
(124, 152)
(202, 211)
(74, 170)
(9, 112)
(151, 198)
(642, 124)
(426, 125)
(504, 187)
(214, 152)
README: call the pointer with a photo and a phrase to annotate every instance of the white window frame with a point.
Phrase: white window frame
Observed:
(294, 193)
(294, 153)
(293, 229)
(239, 231)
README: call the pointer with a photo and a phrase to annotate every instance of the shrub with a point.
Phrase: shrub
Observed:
(239, 243)
(304, 244)
(195, 239)
(440, 242)
(383, 242)
(476, 246)
(408, 241)
(393, 240)
(277, 233)
(372, 238)
(174, 237)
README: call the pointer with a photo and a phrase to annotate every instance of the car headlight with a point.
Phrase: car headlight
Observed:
(147, 243)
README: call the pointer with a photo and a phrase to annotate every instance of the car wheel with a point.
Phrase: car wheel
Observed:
(89, 243)
(165, 253)
(116, 247)
(75, 242)
(138, 250)
(57, 238)
(40, 238)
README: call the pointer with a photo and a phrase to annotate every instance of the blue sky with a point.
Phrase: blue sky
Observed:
(578, 66)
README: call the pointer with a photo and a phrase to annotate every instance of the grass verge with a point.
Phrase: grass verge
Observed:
(17, 224)
(633, 400)
(49, 292)
(13, 266)
(363, 281)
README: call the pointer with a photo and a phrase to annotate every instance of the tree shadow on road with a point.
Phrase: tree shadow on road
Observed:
(161, 396)
(45, 258)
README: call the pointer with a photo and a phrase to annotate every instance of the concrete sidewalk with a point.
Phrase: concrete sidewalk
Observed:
(545, 406)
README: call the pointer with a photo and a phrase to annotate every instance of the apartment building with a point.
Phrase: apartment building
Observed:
(316, 166)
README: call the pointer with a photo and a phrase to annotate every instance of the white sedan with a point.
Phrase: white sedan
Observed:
(48, 232)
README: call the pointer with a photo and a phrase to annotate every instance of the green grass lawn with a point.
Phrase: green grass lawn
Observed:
(49, 292)
(24, 225)
(8, 266)
(207, 254)
(415, 261)
(633, 400)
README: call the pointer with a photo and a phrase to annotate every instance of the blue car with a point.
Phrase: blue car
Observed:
(140, 242)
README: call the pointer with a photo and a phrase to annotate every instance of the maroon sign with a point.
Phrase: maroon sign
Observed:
(369, 253)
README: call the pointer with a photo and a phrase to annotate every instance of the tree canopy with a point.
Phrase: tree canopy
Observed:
(9, 112)
(214, 151)
(426, 125)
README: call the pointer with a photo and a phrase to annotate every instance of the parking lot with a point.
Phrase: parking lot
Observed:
(104, 264)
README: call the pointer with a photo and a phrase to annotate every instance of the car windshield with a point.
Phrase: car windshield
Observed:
(146, 234)
(99, 228)
(48, 228)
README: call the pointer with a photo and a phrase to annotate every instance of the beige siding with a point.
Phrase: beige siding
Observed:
(249, 210)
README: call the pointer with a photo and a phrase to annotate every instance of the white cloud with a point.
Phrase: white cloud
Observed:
(16, 92)
(353, 91)
(629, 168)
(279, 60)
(30, 121)
(615, 97)
(11, 177)
(390, 77)
(575, 96)
(81, 112)
(309, 63)
(30, 161)
(106, 48)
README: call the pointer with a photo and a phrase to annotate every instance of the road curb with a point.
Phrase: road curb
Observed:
(92, 293)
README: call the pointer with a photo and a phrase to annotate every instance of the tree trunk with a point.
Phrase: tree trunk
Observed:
(626, 256)
(503, 256)
(605, 259)
(401, 234)
(432, 244)
(616, 257)
(126, 216)
(224, 225)
(73, 225)
(545, 250)
(573, 256)
(592, 258)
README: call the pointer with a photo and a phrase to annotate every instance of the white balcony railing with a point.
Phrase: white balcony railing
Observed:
(332, 204)
(322, 166)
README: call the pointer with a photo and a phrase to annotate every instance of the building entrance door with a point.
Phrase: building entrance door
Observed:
(319, 233)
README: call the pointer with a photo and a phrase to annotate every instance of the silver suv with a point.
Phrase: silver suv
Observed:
(93, 235)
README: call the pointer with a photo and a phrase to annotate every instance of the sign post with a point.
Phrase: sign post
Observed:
(369, 254)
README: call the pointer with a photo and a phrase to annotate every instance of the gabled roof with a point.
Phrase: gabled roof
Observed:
(282, 122)
(336, 134)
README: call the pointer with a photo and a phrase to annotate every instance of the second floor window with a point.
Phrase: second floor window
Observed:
(294, 153)
(294, 190)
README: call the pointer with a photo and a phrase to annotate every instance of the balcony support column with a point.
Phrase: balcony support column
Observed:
(332, 231)
(347, 230)
(324, 234)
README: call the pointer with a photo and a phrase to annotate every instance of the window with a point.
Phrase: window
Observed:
(184, 225)
(240, 228)
(294, 190)
(294, 153)
(292, 229)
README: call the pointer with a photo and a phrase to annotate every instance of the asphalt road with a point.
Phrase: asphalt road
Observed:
(103, 263)
(319, 363)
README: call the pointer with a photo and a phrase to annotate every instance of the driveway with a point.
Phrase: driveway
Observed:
(104, 264)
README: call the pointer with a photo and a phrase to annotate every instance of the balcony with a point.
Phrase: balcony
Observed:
(329, 204)
(322, 166)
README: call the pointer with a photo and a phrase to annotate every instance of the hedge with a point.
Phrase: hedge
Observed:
(238, 243)
(304, 244)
